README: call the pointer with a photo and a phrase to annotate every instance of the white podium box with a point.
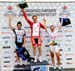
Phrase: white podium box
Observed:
(43, 66)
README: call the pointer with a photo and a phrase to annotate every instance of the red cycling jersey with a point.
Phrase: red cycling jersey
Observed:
(35, 28)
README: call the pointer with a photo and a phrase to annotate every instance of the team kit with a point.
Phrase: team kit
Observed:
(36, 41)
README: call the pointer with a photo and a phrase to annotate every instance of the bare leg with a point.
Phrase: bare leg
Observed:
(17, 57)
(40, 51)
(34, 51)
(52, 58)
(58, 58)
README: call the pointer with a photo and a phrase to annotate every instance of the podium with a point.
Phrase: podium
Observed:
(43, 66)
(22, 67)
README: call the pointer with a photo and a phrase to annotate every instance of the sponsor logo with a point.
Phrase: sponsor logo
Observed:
(5, 47)
(68, 26)
(68, 40)
(69, 63)
(7, 66)
(40, 12)
(64, 11)
(39, 68)
(69, 45)
(6, 61)
(9, 11)
(6, 33)
(46, 45)
(5, 27)
(27, 27)
(6, 57)
(69, 54)
(69, 59)
(68, 35)
(6, 52)
(5, 37)
(68, 30)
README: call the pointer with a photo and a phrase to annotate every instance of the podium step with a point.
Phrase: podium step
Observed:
(51, 69)
(32, 66)
(22, 67)
(39, 66)
(40, 63)
(28, 68)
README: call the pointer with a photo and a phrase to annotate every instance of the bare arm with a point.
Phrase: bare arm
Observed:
(24, 38)
(24, 41)
(60, 24)
(44, 24)
(10, 24)
(26, 17)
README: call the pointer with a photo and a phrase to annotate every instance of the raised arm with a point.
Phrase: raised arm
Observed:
(60, 24)
(26, 17)
(9, 18)
(44, 25)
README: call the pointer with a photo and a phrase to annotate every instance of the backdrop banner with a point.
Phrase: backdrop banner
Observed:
(52, 12)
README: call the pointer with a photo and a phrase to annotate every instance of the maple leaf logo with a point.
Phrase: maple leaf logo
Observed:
(65, 7)
(9, 8)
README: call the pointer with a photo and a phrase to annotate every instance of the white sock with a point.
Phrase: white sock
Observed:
(40, 58)
(35, 59)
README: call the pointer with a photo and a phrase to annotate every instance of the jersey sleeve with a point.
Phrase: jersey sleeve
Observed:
(26, 18)
(24, 33)
(42, 26)
(14, 30)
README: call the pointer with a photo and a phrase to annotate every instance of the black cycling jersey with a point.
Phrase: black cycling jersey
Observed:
(19, 36)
